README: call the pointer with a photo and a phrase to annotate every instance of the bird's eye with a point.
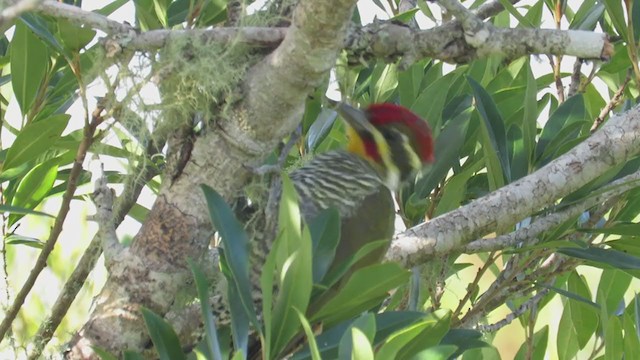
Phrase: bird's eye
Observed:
(388, 135)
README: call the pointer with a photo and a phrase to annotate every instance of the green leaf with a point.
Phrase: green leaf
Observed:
(613, 340)
(295, 270)
(163, 336)
(494, 137)
(569, 112)
(361, 346)
(447, 149)
(454, 191)
(74, 37)
(534, 14)
(409, 82)
(22, 211)
(612, 287)
(439, 352)
(111, 7)
(266, 285)
(178, 12)
(386, 324)
(236, 247)
(384, 81)
(587, 16)
(289, 217)
(41, 28)
(214, 12)
(207, 312)
(636, 302)
(332, 277)
(623, 228)
(239, 320)
(429, 337)
(161, 7)
(584, 318)
(616, 13)
(325, 234)
(464, 339)
(573, 296)
(320, 128)
(406, 16)
(406, 342)
(15, 239)
(13, 173)
(34, 140)
(529, 123)
(29, 65)
(132, 355)
(631, 339)
(539, 345)
(146, 16)
(104, 354)
(424, 8)
(611, 257)
(34, 187)
(431, 101)
(514, 12)
(567, 340)
(313, 346)
(365, 288)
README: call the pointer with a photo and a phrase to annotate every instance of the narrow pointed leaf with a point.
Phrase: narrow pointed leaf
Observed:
(236, 247)
(207, 313)
(35, 139)
(365, 288)
(163, 336)
(494, 136)
(29, 64)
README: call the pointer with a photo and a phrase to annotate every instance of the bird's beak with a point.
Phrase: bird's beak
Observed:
(356, 118)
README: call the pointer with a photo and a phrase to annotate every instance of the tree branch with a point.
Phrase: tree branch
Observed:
(11, 12)
(614, 143)
(543, 224)
(383, 40)
(77, 16)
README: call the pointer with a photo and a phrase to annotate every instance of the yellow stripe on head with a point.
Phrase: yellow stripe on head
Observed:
(356, 145)
(385, 166)
(392, 174)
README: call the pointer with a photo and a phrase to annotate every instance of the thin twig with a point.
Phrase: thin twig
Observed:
(515, 314)
(474, 284)
(492, 8)
(556, 76)
(615, 100)
(576, 78)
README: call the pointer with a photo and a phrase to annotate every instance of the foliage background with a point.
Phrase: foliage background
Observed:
(609, 16)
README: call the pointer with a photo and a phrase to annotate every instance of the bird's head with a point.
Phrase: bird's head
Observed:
(393, 139)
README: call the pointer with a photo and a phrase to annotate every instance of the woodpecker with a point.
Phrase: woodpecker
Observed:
(388, 144)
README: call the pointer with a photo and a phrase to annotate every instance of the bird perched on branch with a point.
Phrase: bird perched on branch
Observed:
(388, 144)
